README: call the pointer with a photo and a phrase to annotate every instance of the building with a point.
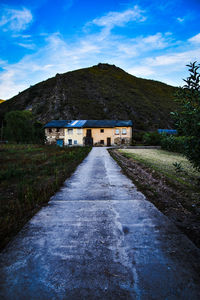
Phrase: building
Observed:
(89, 132)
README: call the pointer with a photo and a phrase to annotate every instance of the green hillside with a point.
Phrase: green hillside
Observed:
(100, 92)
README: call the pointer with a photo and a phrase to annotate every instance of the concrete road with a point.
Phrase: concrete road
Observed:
(99, 238)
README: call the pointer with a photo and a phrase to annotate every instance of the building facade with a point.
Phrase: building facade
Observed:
(89, 132)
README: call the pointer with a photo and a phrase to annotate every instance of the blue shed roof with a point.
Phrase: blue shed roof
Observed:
(168, 131)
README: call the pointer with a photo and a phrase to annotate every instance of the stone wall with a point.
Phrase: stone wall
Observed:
(53, 134)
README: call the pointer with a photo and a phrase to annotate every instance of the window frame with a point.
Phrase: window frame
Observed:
(69, 131)
(117, 131)
(124, 133)
(79, 130)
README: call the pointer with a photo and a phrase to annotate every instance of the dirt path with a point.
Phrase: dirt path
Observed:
(98, 238)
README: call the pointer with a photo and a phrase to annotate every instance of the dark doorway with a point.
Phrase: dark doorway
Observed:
(89, 133)
(108, 141)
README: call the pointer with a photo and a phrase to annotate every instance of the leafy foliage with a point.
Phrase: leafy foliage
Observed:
(21, 127)
(152, 138)
(173, 143)
(178, 167)
(188, 118)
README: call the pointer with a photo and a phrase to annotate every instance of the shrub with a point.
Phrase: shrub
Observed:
(138, 136)
(152, 139)
(188, 117)
(173, 143)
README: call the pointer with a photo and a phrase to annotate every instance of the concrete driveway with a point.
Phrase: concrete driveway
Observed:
(99, 238)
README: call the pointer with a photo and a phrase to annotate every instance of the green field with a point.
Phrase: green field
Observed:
(29, 176)
(165, 162)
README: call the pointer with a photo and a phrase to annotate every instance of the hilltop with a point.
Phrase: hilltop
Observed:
(100, 92)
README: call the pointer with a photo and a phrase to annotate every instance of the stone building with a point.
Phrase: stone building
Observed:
(89, 132)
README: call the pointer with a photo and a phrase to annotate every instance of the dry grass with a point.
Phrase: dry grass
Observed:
(163, 162)
(29, 176)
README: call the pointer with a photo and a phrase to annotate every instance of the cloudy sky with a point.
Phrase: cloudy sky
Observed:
(148, 38)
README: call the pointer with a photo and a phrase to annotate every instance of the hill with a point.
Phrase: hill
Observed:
(99, 92)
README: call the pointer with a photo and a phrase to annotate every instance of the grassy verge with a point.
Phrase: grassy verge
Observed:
(174, 166)
(29, 176)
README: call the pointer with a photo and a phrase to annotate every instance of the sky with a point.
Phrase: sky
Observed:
(152, 39)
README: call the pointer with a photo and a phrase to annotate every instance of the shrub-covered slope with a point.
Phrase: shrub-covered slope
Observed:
(100, 92)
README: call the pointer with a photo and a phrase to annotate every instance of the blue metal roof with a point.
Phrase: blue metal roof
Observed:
(57, 124)
(76, 124)
(107, 123)
(168, 131)
(88, 123)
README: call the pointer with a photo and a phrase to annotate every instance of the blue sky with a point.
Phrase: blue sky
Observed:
(150, 39)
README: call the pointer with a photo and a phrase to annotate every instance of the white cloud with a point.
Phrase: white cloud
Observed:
(180, 20)
(23, 36)
(27, 46)
(195, 39)
(120, 19)
(14, 19)
(142, 71)
(177, 59)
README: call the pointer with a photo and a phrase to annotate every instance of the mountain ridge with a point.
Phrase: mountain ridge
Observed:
(100, 92)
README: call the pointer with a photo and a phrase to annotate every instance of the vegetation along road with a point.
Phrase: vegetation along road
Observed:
(99, 238)
(29, 176)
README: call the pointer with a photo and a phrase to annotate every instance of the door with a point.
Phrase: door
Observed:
(89, 133)
(108, 141)
(60, 142)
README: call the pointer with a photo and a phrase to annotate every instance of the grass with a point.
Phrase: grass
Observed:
(166, 163)
(29, 176)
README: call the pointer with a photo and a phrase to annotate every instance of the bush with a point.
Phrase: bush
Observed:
(188, 117)
(173, 143)
(152, 139)
(21, 127)
(138, 136)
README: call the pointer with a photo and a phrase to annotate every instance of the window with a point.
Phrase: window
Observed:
(124, 131)
(102, 142)
(57, 129)
(50, 130)
(116, 131)
(75, 142)
(69, 142)
(70, 130)
(102, 130)
(79, 130)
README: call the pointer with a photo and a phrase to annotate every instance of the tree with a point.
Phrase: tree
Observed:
(187, 119)
(21, 127)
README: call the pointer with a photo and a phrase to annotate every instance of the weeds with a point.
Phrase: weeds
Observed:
(178, 167)
(29, 176)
